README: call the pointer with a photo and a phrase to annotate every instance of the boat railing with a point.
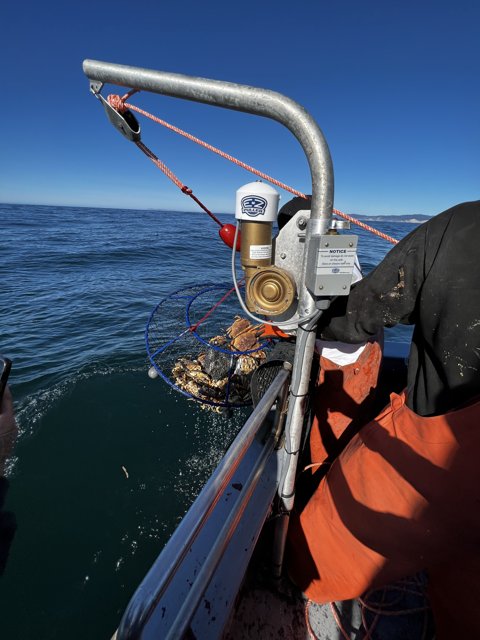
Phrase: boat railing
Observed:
(270, 104)
(162, 574)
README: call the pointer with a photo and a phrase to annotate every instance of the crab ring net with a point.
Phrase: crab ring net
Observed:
(200, 344)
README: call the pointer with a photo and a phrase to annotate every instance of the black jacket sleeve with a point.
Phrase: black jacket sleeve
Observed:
(386, 297)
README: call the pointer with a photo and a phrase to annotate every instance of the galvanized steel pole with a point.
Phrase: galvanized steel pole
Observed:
(278, 107)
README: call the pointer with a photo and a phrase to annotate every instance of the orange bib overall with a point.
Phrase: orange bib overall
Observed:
(403, 496)
(344, 393)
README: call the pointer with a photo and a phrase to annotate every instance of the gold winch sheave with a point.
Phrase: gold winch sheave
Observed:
(268, 289)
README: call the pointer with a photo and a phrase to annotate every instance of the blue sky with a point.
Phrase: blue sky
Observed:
(393, 85)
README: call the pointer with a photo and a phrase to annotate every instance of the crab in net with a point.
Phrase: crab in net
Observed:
(221, 375)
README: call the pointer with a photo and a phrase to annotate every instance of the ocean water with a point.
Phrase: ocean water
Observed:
(108, 460)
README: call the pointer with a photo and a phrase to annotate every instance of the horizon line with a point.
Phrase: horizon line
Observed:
(227, 213)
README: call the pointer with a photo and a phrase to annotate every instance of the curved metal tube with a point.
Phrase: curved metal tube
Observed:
(229, 95)
(278, 107)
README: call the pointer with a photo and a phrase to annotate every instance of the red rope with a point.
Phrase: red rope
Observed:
(163, 167)
(217, 304)
(120, 105)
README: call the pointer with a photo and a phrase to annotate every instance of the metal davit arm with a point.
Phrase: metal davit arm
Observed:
(229, 95)
(278, 107)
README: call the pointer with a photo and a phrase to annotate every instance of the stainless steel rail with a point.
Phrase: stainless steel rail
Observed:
(161, 573)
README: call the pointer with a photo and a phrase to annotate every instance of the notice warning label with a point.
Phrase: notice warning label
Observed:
(335, 261)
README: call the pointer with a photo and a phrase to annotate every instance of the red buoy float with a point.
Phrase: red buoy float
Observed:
(227, 234)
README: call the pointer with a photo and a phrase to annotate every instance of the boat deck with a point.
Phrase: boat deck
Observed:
(267, 610)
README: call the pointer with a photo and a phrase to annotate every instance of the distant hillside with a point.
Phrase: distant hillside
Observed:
(415, 218)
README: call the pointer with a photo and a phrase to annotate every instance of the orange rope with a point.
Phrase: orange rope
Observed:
(379, 609)
(367, 227)
(120, 105)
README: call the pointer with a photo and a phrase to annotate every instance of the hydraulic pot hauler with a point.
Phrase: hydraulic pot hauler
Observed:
(273, 266)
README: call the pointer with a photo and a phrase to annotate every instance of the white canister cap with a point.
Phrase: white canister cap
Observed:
(257, 201)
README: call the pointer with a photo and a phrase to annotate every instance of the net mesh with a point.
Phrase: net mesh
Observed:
(201, 344)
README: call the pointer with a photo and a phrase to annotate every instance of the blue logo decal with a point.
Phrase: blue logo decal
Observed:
(253, 206)
(335, 270)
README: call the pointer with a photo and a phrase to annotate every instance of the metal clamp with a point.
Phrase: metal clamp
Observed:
(335, 224)
(124, 122)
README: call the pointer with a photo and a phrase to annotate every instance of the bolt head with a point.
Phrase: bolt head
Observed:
(301, 223)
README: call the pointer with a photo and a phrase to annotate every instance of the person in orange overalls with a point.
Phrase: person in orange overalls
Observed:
(404, 495)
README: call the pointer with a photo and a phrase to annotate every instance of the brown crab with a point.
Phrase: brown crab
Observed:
(218, 341)
(245, 365)
(244, 335)
(238, 326)
(190, 370)
(199, 378)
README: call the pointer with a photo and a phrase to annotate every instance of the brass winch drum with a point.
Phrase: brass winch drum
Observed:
(270, 291)
(256, 244)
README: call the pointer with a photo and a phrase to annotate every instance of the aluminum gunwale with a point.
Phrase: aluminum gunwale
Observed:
(190, 604)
